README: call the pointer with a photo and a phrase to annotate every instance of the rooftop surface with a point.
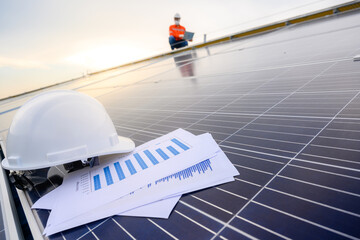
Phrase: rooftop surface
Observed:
(285, 108)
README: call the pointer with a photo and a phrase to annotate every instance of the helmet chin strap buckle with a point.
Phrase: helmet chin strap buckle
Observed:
(93, 161)
(20, 181)
(73, 166)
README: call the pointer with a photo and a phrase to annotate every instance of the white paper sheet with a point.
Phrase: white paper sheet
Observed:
(75, 195)
(222, 171)
(158, 209)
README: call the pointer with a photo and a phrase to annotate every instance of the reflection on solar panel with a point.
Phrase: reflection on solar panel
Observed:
(284, 107)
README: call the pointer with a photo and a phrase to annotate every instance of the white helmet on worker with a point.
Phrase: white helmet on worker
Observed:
(177, 15)
(59, 127)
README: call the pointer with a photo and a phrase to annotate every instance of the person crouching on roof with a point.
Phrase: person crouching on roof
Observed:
(177, 32)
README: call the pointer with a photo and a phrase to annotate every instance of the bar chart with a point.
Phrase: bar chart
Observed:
(139, 160)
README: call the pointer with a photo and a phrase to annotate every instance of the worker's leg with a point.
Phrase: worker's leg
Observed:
(172, 42)
(180, 44)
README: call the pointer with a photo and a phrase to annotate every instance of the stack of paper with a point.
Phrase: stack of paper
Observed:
(148, 182)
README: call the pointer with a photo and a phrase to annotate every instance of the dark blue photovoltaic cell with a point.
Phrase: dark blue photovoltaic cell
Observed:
(295, 228)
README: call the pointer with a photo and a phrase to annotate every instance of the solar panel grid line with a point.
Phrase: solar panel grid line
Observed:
(338, 138)
(211, 204)
(168, 233)
(90, 230)
(314, 202)
(298, 119)
(277, 132)
(234, 194)
(338, 85)
(274, 93)
(139, 140)
(242, 180)
(332, 147)
(256, 146)
(224, 238)
(123, 229)
(326, 157)
(217, 220)
(307, 221)
(264, 228)
(336, 168)
(319, 185)
(252, 199)
(62, 235)
(335, 161)
(288, 66)
(328, 165)
(303, 107)
(353, 121)
(253, 169)
(258, 158)
(247, 114)
(192, 220)
(270, 139)
(131, 124)
(209, 125)
(139, 130)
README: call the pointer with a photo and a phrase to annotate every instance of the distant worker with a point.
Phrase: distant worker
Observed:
(177, 33)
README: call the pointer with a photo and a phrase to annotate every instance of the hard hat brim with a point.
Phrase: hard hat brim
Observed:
(125, 145)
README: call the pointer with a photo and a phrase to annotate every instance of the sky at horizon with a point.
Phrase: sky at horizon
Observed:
(46, 42)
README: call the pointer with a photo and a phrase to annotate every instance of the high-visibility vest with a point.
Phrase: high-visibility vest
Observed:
(177, 31)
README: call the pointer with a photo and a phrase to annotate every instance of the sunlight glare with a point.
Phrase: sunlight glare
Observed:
(105, 56)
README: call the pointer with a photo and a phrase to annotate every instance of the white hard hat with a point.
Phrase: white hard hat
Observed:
(177, 15)
(59, 127)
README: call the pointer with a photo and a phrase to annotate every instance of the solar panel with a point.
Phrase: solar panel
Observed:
(2, 226)
(283, 106)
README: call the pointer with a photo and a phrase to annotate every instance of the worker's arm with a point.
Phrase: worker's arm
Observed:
(173, 32)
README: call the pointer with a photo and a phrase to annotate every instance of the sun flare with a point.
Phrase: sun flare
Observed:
(105, 56)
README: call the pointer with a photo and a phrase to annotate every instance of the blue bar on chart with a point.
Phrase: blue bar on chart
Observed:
(180, 144)
(151, 157)
(130, 166)
(97, 184)
(140, 161)
(162, 154)
(173, 150)
(108, 177)
(119, 171)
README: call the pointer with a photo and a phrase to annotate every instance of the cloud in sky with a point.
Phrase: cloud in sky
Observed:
(20, 63)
